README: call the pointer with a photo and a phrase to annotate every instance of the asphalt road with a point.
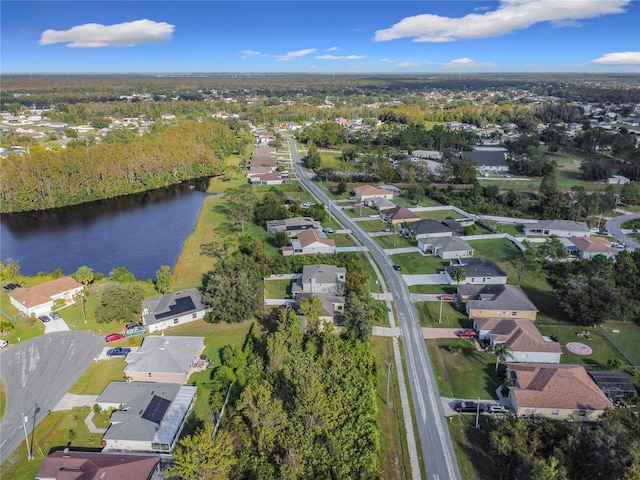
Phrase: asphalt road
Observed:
(36, 374)
(613, 227)
(437, 449)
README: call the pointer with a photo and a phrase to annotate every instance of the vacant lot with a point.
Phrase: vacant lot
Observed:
(417, 264)
(429, 313)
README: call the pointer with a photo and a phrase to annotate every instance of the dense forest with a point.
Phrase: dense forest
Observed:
(301, 406)
(81, 173)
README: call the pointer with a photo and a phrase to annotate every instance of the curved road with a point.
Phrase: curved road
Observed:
(36, 374)
(613, 227)
(437, 449)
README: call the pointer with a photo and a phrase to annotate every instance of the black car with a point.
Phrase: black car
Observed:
(397, 267)
(471, 407)
(43, 318)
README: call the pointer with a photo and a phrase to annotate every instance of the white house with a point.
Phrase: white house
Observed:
(446, 247)
(148, 417)
(560, 228)
(310, 242)
(617, 180)
(589, 247)
(521, 335)
(173, 309)
(367, 192)
(321, 278)
(39, 299)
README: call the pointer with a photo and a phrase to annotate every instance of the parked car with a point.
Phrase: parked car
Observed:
(55, 315)
(497, 408)
(447, 298)
(113, 337)
(306, 204)
(397, 267)
(130, 332)
(133, 325)
(328, 230)
(3, 343)
(118, 352)
(43, 318)
(472, 407)
(466, 333)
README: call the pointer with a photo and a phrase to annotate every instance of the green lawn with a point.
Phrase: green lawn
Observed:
(429, 314)
(394, 241)
(439, 214)
(394, 456)
(468, 374)
(357, 212)
(626, 340)
(95, 378)
(415, 263)
(433, 289)
(277, 288)
(372, 225)
(602, 349)
(342, 240)
(470, 444)
(631, 225)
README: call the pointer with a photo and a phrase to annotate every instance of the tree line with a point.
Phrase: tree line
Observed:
(49, 179)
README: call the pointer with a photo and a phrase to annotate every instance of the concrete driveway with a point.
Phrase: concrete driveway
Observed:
(56, 325)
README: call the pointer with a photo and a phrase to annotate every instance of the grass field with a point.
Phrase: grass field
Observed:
(626, 339)
(98, 375)
(277, 288)
(415, 263)
(468, 374)
(394, 241)
(433, 289)
(429, 314)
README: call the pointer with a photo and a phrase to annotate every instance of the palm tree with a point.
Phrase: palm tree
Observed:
(84, 275)
(501, 350)
(458, 274)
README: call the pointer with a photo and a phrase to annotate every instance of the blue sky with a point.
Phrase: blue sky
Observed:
(320, 36)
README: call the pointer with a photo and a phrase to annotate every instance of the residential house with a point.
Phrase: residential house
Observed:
(40, 299)
(171, 309)
(428, 228)
(292, 226)
(522, 337)
(320, 278)
(367, 192)
(380, 203)
(75, 465)
(147, 417)
(589, 247)
(446, 247)
(332, 306)
(560, 228)
(419, 155)
(310, 242)
(488, 161)
(166, 359)
(617, 180)
(497, 301)
(398, 215)
(265, 179)
(555, 391)
(477, 271)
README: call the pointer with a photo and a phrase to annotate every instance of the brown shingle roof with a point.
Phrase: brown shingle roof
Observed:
(366, 190)
(401, 213)
(97, 466)
(519, 333)
(592, 244)
(42, 293)
(311, 235)
(557, 386)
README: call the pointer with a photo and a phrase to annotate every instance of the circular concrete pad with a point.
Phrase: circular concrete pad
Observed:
(579, 348)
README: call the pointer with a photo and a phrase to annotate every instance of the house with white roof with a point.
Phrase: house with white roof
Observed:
(560, 228)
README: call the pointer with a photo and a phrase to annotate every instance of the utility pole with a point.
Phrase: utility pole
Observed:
(25, 419)
(440, 316)
(388, 378)
(478, 415)
(84, 313)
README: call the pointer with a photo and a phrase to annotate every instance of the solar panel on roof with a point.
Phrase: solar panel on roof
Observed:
(181, 305)
(156, 409)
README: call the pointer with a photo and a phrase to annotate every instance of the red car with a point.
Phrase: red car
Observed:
(466, 333)
(114, 337)
(447, 298)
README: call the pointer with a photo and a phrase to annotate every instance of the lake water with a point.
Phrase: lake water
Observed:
(140, 232)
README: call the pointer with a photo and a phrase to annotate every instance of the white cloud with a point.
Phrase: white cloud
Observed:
(618, 58)
(250, 53)
(407, 64)
(297, 54)
(125, 34)
(387, 60)
(510, 16)
(465, 64)
(339, 57)
(333, 49)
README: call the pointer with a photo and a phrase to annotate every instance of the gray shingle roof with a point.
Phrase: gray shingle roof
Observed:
(160, 308)
(477, 267)
(165, 354)
(499, 297)
(429, 226)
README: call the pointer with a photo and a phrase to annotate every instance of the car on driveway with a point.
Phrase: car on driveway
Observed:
(43, 318)
(468, 407)
(55, 315)
(114, 337)
(497, 408)
(118, 352)
(466, 333)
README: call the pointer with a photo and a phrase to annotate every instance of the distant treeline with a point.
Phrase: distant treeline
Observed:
(82, 173)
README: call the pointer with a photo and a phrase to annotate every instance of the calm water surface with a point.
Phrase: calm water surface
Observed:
(140, 232)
